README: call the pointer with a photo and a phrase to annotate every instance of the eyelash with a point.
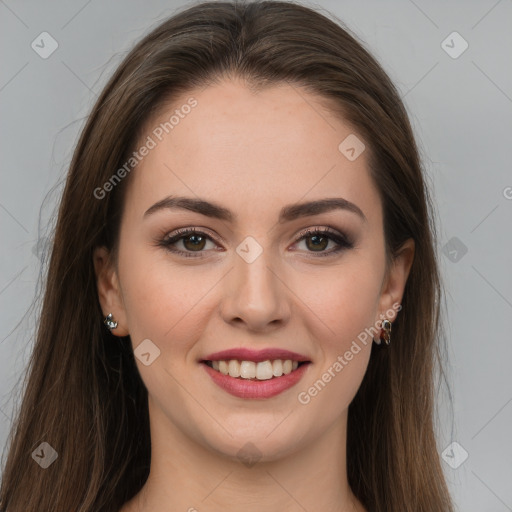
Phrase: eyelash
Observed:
(342, 241)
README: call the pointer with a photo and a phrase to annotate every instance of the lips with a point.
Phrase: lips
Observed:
(245, 354)
(260, 374)
(254, 389)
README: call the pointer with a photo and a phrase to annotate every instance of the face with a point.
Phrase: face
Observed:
(308, 281)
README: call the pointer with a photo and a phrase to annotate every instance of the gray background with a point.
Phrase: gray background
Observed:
(461, 109)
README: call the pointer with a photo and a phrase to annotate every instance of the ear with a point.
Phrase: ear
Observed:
(394, 283)
(109, 291)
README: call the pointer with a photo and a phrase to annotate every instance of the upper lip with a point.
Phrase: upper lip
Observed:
(246, 354)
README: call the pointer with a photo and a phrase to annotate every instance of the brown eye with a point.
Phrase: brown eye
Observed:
(193, 241)
(317, 240)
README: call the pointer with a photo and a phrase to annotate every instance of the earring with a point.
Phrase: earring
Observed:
(386, 325)
(110, 322)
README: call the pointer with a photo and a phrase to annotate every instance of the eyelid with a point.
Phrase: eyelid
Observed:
(322, 229)
(190, 230)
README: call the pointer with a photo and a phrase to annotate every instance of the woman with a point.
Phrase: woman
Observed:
(242, 302)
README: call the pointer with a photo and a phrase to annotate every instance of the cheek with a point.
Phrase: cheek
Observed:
(163, 302)
(347, 307)
(344, 300)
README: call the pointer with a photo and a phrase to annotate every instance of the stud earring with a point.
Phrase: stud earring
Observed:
(110, 322)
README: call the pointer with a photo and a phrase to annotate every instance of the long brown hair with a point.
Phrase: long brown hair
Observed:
(84, 395)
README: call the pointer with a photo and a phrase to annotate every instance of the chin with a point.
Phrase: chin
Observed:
(252, 444)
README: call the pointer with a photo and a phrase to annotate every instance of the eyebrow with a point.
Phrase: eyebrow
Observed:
(288, 213)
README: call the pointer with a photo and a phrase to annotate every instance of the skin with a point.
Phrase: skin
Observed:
(253, 154)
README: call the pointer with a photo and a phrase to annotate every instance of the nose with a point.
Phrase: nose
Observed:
(256, 296)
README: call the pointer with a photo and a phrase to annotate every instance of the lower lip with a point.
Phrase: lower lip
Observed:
(244, 388)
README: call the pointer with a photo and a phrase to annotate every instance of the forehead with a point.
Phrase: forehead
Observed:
(246, 149)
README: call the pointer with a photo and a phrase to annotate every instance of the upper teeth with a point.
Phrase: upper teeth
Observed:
(263, 370)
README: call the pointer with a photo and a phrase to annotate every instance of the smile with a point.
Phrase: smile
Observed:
(251, 370)
(255, 380)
